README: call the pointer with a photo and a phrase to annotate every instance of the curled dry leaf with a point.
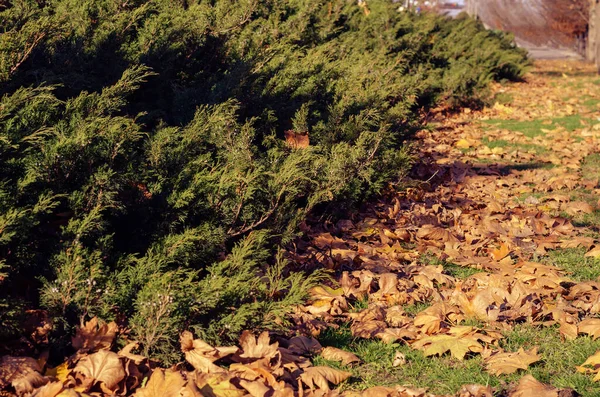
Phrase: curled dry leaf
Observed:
(52, 389)
(162, 384)
(218, 385)
(296, 140)
(335, 354)
(475, 391)
(103, 366)
(302, 345)
(126, 352)
(202, 355)
(529, 387)
(22, 373)
(508, 363)
(91, 336)
(590, 326)
(257, 348)
(591, 365)
(399, 359)
(320, 377)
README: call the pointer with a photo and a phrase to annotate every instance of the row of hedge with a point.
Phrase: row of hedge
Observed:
(144, 174)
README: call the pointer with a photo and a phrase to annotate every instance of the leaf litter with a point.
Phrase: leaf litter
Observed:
(467, 210)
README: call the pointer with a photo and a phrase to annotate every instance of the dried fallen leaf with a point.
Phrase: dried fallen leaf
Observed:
(529, 387)
(103, 366)
(126, 352)
(594, 362)
(257, 348)
(49, 390)
(23, 373)
(458, 346)
(590, 326)
(202, 355)
(399, 359)
(162, 384)
(507, 363)
(91, 336)
(335, 354)
(320, 377)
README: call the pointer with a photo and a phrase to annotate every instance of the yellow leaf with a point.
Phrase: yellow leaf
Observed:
(162, 384)
(320, 377)
(508, 363)
(529, 387)
(590, 326)
(463, 144)
(458, 346)
(334, 354)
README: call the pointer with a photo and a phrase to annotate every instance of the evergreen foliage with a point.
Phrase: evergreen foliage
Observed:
(144, 176)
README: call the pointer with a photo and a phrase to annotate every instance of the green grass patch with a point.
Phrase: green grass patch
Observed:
(460, 272)
(559, 357)
(534, 128)
(592, 103)
(503, 98)
(415, 308)
(590, 168)
(501, 143)
(573, 261)
(446, 375)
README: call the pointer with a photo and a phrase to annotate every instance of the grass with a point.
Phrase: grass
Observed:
(559, 357)
(460, 272)
(501, 143)
(590, 168)
(534, 128)
(446, 375)
(573, 261)
(503, 98)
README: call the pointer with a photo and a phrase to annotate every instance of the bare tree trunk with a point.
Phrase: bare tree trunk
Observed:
(471, 8)
(593, 32)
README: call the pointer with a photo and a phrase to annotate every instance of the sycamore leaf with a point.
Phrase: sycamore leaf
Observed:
(320, 377)
(49, 390)
(126, 352)
(594, 252)
(22, 373)
(529, 387)
(202, 355)
(500, 253)
(335, 354)
(594, 362)
(103, 366)
(296, 140)
(508, 363)
(590, 326)
(257, 348)
(302, 345)
(91, 337)
(475, 391)
(60, 372)
(256, 388)
(458, 346)
(217, 385)
(162, 384)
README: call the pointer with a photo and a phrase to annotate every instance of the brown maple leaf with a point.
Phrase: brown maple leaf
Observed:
(499, 363)
(102, 367)
(91, 336)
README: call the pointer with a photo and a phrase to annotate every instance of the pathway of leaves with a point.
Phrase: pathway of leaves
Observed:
(467, 210)
(475, 217)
